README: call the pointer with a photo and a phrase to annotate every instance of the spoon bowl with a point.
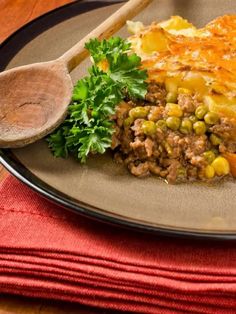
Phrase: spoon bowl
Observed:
(34, 101)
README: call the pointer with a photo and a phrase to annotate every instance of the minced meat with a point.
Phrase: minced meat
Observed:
(148, 141)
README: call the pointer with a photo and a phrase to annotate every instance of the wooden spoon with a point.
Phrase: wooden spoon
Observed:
(34, 98)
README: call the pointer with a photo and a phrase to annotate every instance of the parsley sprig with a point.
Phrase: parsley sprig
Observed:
(88, 127)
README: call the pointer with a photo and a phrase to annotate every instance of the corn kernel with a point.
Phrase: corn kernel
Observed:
(209, 172)
(221, 166)
(182, 90)
(174, 110)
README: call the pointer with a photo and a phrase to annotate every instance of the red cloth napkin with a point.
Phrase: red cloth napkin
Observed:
(46, 251)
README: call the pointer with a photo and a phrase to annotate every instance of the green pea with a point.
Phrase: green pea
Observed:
(193, 118)
(128, 121)
(215, 151)
(161, 124)
(199, 127)
(211, 118)
(215, 140)
(209, 156)
(182, 172)
(201, 111)
(171, 97)
(186, 126)
(138, 112)
(173, 123)
(149, 127)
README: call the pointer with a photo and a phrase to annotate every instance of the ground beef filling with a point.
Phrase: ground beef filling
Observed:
(169, 135)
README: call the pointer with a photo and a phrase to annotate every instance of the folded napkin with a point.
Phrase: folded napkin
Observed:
(49, 252)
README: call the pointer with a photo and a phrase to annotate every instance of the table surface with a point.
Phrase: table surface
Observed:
(16, 13)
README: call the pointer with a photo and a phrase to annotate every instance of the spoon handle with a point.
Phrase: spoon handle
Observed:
(111, 25)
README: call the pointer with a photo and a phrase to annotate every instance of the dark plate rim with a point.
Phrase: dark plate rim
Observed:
(24, 175)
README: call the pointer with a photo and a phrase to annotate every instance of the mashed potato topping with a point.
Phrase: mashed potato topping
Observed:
(203, 60)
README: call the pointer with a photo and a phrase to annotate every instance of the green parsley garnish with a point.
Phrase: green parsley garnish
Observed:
(88, 127)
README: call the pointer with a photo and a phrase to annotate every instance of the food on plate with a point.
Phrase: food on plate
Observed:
(115, 75)
(164, 101)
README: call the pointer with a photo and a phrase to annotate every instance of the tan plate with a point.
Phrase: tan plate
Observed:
(101, 188)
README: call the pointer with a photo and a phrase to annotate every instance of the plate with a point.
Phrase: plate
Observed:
(102, 189)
